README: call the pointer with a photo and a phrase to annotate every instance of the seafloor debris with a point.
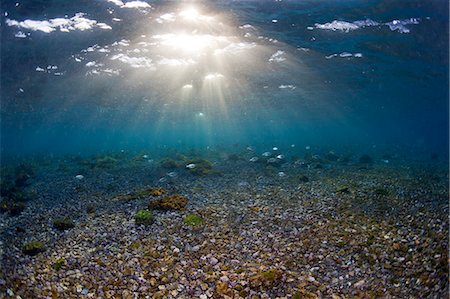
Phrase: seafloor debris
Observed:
(335, 232)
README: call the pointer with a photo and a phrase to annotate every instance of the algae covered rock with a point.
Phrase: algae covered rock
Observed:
(33, 247)
(298, 179)
(7, 187)
(200, 167)
(63, 223)
(331, 156)
(151, 192)
(105, 162)
(90, 209)
(22, 173)
(14, 208)
(193, 220)
(173, 202)
(343, 189)
(234, 157)
(269, 278)
(23, 196)
(144, 217)
(169, 164)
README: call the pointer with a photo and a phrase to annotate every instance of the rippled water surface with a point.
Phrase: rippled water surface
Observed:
(223, 72)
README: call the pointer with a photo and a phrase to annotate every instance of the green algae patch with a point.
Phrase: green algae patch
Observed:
(59, 264)
(193, 220)
(144, 217)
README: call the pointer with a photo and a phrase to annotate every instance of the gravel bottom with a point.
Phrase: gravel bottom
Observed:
(264, 235)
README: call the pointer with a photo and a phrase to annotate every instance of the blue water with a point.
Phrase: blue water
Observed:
(174, 74)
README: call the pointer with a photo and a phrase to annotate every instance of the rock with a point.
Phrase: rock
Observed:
(359, 283)
(213, 261)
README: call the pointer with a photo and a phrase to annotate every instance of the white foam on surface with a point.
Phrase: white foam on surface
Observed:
(278, 56)
(136, 4)
(345, 55)
(247, 27)
(344, 26)
(235, 48)
(116, 2)
(93, 63)
(168, 17)
(400, 25)
(20, 34)
(135, 62)
(337, 25)
(77, 22)
(287, 86)
(214, 76)
(176, 62)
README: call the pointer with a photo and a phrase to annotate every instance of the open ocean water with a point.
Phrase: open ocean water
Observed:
(224, 149)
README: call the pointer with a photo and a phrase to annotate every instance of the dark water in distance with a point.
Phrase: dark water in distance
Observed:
(185, 75)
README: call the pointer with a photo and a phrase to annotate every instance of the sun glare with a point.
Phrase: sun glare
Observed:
(190, 14)
(190, 42)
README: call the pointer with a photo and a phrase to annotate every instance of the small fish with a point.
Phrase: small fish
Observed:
(267, 154)
(250, 148)
(254, 159)
(79, 177)
(272, 160)
(172, 174)
(162, 180)
(275, 148)
(280, 157)
(385, 161)
(292, 145)
(190, 166)
(145, 156)
(307, 147)
(281, 174)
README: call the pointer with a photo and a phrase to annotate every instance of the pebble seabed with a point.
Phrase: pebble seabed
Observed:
(263, 235)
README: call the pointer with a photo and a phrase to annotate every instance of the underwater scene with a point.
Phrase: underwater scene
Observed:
(224, 149)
